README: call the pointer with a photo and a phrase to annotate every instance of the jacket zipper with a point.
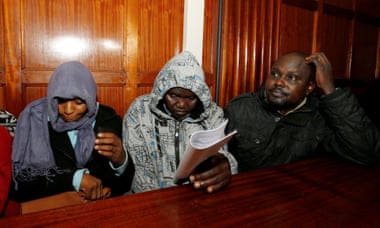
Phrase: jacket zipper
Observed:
(176, 142)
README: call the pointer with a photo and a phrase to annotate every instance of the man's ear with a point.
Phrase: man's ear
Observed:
(310, 87)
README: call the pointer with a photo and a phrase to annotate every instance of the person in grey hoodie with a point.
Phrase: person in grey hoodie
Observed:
(157, 128)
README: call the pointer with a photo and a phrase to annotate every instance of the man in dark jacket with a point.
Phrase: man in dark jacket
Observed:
(285, 121)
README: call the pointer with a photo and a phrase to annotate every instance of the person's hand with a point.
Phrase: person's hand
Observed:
(109, 145)
(92, 188)
(215, 175)
(323, 76)
(106, 194)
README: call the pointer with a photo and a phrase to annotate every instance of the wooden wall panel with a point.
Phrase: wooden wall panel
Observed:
(336, 34)
(59, 31)
(88, 31)
(160, 35)
(364, 54)
(239, 40)
(247, 35)
(12, 55)
(123, 42)
(160, 32)
(210, 44)
(34, 91)
(368, 7)
(346, 4)
(296, 27)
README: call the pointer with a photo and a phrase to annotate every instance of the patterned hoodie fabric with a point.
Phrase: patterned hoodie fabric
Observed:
(149, 131)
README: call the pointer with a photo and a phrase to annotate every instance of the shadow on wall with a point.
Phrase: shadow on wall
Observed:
(370, 101)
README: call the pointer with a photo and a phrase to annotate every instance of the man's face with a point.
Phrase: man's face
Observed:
(180, 102)
(71, 109)
(288, 83)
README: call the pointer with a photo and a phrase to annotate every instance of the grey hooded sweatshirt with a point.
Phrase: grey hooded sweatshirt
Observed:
(149, 132)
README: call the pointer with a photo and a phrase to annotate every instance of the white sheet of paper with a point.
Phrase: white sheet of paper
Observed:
(202, 145)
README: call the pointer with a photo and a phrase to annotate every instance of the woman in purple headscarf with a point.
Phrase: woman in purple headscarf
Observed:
(58, 146)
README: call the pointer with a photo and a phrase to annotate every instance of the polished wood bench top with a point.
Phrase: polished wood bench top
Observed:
(321, 192)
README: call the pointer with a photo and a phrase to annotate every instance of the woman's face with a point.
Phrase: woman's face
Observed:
(180, 101)
(71, 109)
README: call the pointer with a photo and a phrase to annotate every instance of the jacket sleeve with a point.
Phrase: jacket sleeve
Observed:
(354, 136)
(100, 166)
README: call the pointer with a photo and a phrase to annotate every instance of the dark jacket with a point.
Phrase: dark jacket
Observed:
(333, 124)
(65, 158)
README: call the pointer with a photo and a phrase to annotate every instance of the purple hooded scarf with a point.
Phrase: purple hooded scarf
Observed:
(31, 153)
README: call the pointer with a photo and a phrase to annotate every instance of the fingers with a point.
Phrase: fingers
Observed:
(215, 177)
(106, 192)
(91, 187)
(213, 183)
(86, 197)
(94, 193)
(324, 76)
(109, 145)
(318, 58)
(321, 62)
(218, 184)
(105, 141)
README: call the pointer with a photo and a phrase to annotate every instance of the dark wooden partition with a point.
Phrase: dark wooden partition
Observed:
(256, 32)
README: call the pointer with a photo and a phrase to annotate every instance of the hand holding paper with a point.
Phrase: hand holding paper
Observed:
(202, 145)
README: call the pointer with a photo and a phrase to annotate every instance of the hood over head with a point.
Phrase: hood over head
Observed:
(69, 81)
(183, 71)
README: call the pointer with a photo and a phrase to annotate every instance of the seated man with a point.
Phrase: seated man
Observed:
(285, 121)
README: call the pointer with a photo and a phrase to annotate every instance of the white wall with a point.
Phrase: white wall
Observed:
(193, 27)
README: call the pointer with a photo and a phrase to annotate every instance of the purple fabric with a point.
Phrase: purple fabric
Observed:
(31, 153)
(73, 80)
